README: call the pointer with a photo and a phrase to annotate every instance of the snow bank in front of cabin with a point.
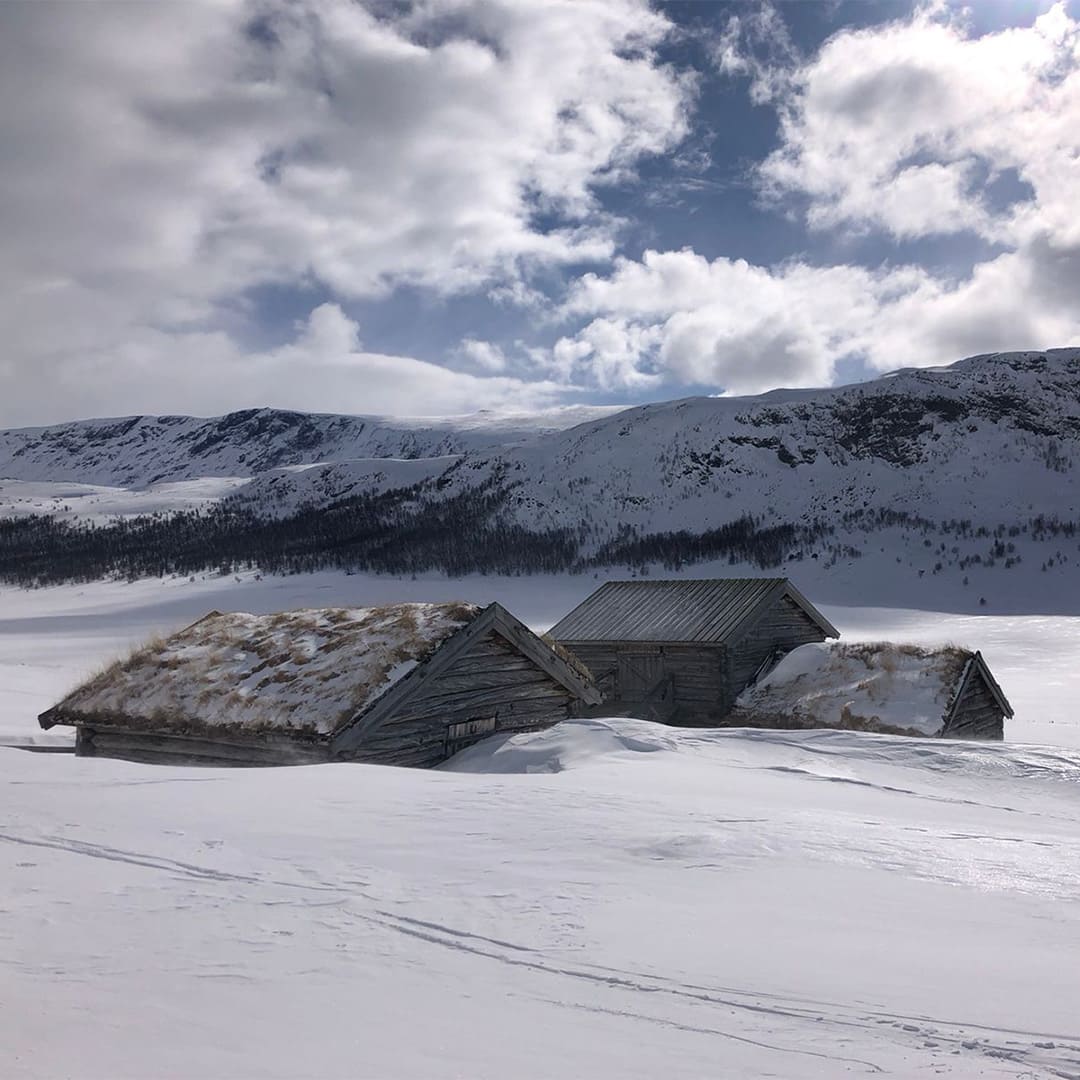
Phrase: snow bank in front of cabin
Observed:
(305, 671)
(569, 745)
(865, 686)
(811, 905)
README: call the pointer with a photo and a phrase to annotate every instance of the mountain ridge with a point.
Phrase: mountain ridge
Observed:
(944, 472)
(145, 449)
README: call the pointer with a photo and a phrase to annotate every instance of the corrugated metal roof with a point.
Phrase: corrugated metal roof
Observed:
(703, 610)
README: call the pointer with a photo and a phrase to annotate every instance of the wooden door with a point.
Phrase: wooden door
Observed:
(466, 732)
(639, 672)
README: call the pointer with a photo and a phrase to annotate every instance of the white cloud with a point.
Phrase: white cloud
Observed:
(755, 43)
(723, 323)
(614, 353)
(161, 159)
(677, 317)
(899, 127)
(484, 354)
(324, 369)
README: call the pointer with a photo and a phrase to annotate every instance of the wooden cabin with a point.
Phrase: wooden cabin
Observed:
(945, 692)
(404, 684)
(978, 709)
(681, 651)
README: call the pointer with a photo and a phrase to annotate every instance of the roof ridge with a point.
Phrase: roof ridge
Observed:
(676, 609)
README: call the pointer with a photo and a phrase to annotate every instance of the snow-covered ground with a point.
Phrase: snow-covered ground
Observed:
(274, 492)
(95, 502)
(606, 899)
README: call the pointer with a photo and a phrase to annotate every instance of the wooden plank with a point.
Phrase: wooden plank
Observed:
(977, 713)
(137, 746)
(477, 667)
(489, 681)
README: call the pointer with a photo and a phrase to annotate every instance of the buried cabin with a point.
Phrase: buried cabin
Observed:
(403, 684)
(945, 692)
(681, 651)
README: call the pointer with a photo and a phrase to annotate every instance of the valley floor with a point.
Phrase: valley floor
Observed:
(606, 899)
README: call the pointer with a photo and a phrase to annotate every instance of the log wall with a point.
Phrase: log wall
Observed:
(489, 680)
(783, 627)
(976, 715)
(626, 673)
(707, 678)
(228, 749)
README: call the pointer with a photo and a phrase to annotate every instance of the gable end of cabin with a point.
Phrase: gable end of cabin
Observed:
(491, 687)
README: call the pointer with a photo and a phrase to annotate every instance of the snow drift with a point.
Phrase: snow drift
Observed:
(808, 905)
(882, 687)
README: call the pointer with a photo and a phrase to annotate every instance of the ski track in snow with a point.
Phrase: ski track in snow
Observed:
(622, 916)
(609, 900)
(837, 1020)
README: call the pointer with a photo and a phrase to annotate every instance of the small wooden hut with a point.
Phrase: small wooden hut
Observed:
(945, 692)
(404, 684)
(681, 651)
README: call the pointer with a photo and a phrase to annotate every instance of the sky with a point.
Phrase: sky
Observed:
(438, 207)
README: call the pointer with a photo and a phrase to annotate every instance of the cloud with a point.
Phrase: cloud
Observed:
(677, 317)
(724, 323)
(904, 127)
(161, 160)
(755, 43)
(323, 369)
(483, 354)
(906, 130)
(614, 352)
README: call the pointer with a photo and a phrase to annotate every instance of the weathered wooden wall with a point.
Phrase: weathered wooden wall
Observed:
(976, 715)
(490, 679)
(705, 679)
(671, 683)
(784, 626)
(224, 749)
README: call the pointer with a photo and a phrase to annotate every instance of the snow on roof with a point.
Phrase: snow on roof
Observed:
(903, 689)
(301, 671)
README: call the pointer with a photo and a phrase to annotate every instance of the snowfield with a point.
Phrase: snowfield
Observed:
(605, 899)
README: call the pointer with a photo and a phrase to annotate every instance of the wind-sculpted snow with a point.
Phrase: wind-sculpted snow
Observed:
(566, 746)
(578, 744)
(667, 903)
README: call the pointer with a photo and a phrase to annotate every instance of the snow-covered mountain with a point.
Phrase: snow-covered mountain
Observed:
(136, 451)
(941, 470)
(990, 439)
